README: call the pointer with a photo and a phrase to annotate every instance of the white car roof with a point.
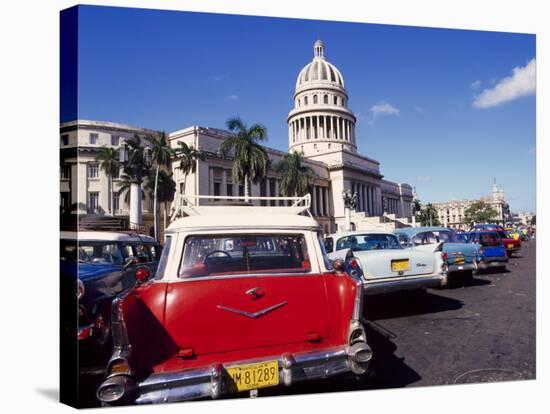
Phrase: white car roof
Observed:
(105, 236)
(252, 220)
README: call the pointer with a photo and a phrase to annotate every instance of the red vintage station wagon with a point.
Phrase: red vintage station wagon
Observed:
(244, 298)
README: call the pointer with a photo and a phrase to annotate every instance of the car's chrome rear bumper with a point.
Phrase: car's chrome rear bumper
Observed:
(212, 381)
(376, 287)
(491, 262)
(462, 267)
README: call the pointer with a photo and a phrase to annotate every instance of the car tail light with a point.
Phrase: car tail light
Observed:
(354, 264)
(444, 256)
(142, 274)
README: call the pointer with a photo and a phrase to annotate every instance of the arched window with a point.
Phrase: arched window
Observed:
(325, 99)
(314, 99)
(299, 103)
(335, 100)
(305, 100)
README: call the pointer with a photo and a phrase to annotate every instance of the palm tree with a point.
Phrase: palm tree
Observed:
(188, 157)
(165, 187)
(296, 178)
(161, 156)
(108, 162)
(250, 161)
(124, 185)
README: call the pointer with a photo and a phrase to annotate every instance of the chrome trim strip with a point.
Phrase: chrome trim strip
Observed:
(253, 315)
(376, 288)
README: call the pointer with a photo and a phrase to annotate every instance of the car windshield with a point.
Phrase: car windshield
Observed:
(218, 255)
(365, 242)
(91, 252)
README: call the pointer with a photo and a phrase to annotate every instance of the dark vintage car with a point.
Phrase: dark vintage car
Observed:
(244, 298)
(97, 266)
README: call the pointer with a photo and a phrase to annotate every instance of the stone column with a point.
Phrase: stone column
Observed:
(313, 201)
(327, 205)
(82, 187)
(75, 185)
(223, 191)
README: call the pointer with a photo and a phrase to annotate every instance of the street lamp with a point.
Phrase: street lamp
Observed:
(137, 163)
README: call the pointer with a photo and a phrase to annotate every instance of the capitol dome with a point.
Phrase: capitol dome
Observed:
(319, 70)
(321, 121)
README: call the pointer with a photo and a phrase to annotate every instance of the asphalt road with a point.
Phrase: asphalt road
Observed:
(479, 331)
(482, 330)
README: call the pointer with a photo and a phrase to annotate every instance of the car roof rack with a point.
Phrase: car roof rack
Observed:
(195, 205)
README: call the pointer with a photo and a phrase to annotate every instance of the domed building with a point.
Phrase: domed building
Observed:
(321, 125)
(321, 120)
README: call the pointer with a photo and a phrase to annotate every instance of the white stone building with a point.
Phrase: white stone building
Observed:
(321, 125)
(82, 180)
(451, 213)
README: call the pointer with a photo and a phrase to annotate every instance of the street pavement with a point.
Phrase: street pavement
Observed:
(479, 330)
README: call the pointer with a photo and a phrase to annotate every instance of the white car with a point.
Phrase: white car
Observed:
(384, 265)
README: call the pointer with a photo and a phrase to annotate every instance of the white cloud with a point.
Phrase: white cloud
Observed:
(475, 84)
(521, 83)
(232, 97)
(424, 178)
(382, 109)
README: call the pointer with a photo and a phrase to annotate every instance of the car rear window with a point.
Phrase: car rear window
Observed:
(219, 255)
(489, 239)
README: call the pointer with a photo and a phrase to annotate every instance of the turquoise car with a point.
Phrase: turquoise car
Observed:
(461, 258)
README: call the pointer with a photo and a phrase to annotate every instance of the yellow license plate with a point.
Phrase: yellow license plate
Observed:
(510, 246)
(399, 265)
(459, 260)
(253, 376)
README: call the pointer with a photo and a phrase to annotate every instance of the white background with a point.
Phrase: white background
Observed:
(29, 76)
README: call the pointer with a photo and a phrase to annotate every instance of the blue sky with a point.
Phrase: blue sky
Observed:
(413, 89)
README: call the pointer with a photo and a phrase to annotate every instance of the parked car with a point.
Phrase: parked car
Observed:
(98, 265)
(493, 251)
(384, 265)
(461, 257)
(511, 244)
(244, 298)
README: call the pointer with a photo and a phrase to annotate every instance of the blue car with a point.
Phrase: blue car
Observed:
(491, 247)
(97, 266)
(462, 257)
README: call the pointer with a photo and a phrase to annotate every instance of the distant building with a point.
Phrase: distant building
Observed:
(451, 213)
(525, 218)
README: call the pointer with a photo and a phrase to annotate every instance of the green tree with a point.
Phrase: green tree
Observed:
(188, 157)
(534, 221)
(108, 162)
(428, 216)
(250, 160)
(124, 184)
(161, 157)
(480, 212)
(296, 177)
(165, 187)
